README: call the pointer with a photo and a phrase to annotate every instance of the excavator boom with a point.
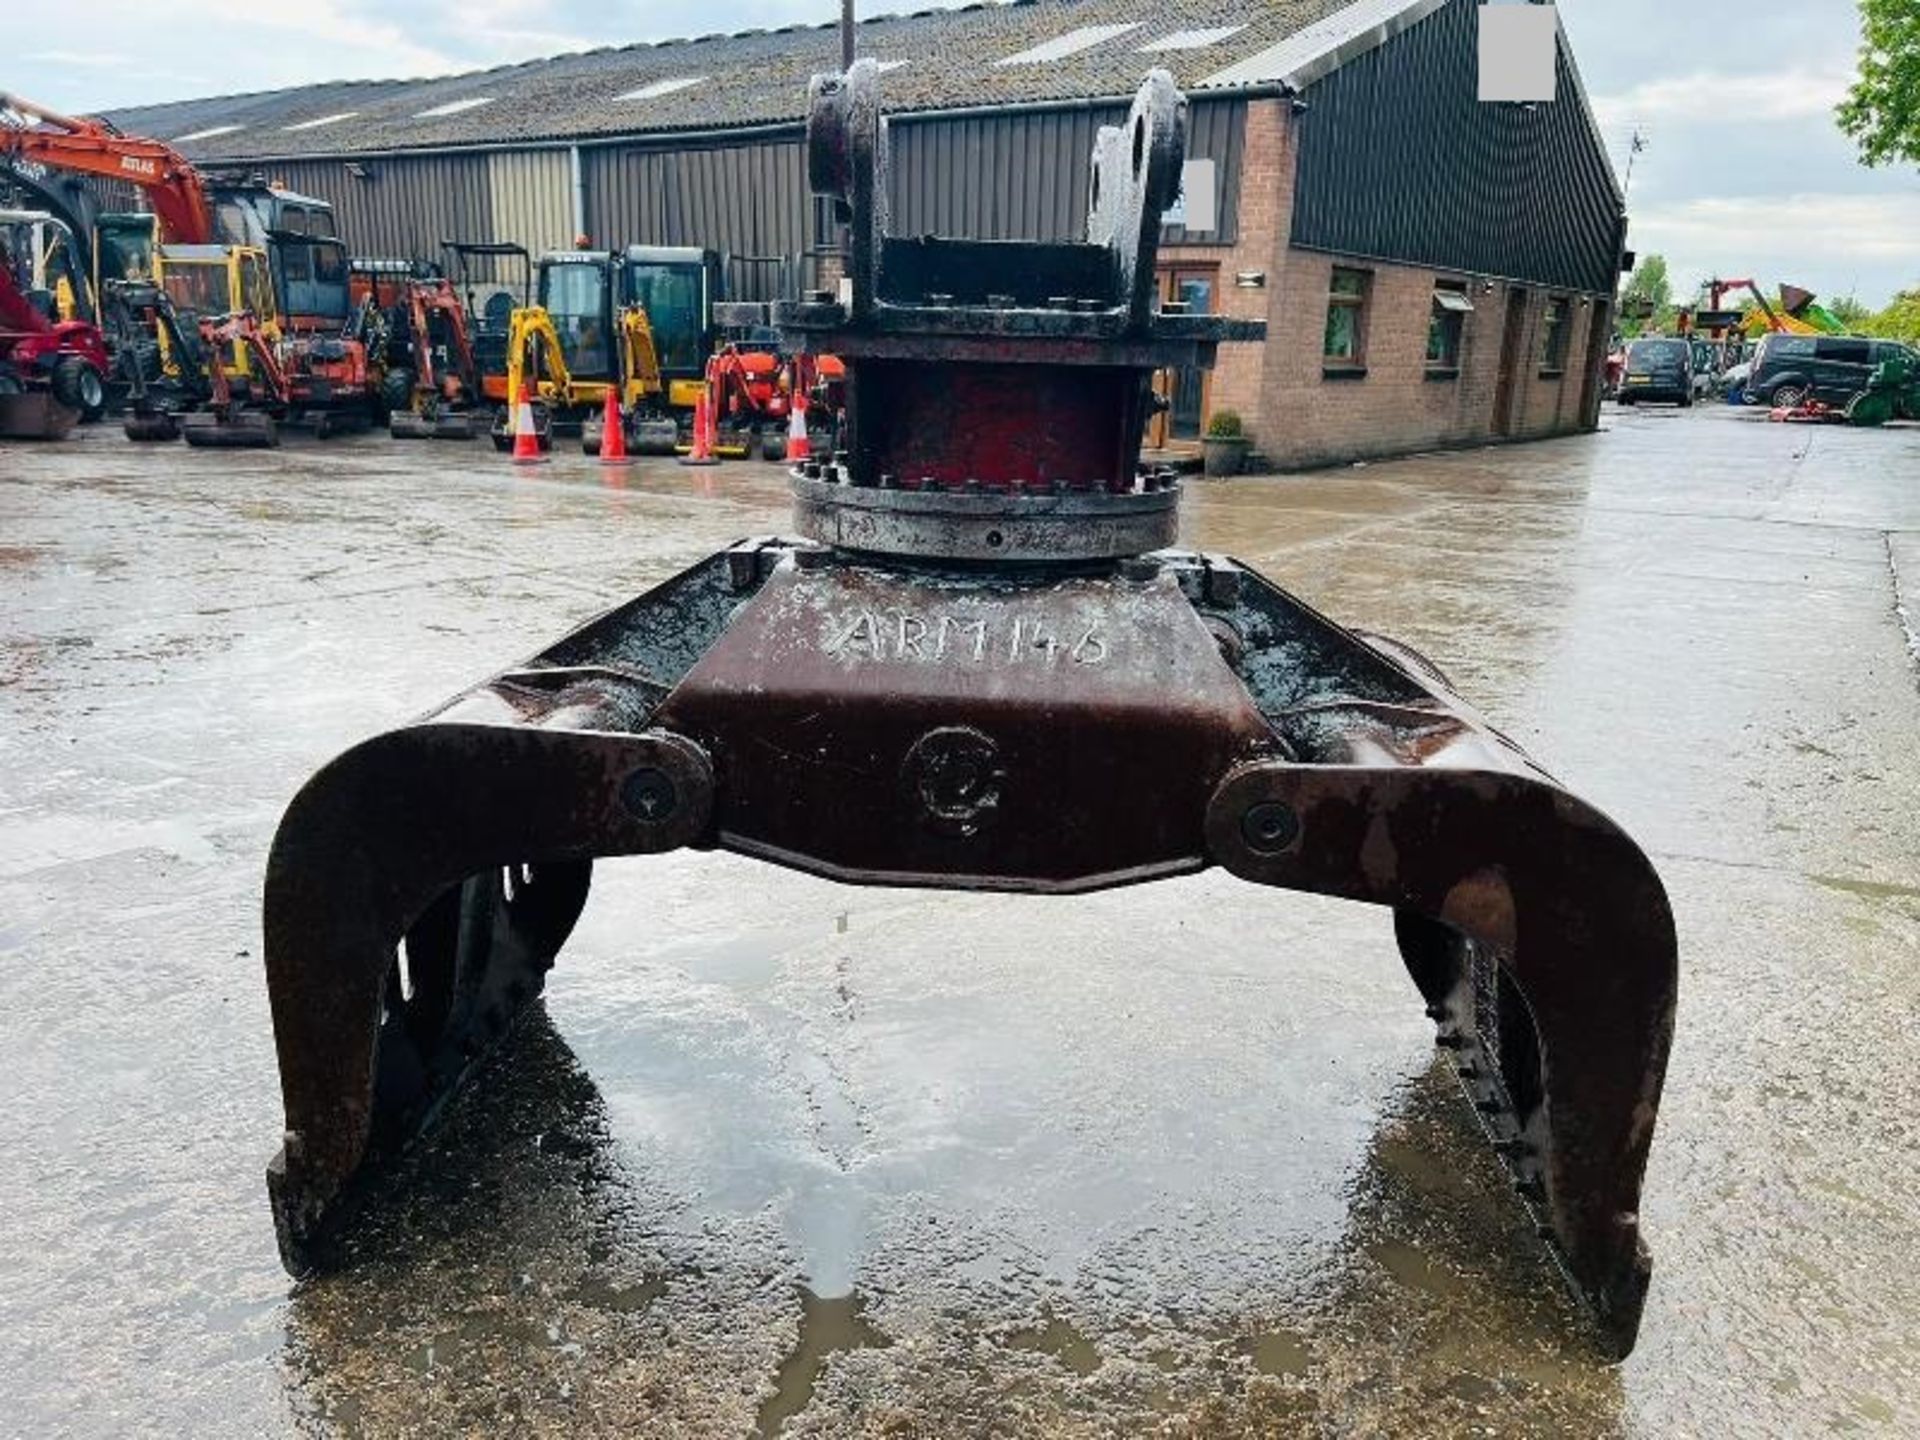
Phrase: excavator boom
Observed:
(91, 147)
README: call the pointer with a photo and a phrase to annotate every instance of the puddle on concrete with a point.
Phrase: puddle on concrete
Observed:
(1058, 1338)
(1867, 889)
(1277, 1352)
(827, 1325)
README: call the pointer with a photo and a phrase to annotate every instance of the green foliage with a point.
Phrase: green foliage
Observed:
(1882, 110)
(1850, 313)
(1646, 304)
(1899, 321)
(1224, 425)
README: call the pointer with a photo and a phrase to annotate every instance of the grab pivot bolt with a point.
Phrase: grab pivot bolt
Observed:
(649, 793)
(1269, 827)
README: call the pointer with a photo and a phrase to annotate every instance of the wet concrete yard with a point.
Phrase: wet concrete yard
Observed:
(1174, 1159)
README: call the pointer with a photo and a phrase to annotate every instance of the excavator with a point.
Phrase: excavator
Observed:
(319, 337)
(429, 378)
(53, 357)
(592, 330)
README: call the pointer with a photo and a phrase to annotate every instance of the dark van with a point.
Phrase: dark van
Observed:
(1658, 369)
(1787, 369)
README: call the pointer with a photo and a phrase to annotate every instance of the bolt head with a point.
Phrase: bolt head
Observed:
(649, 794)
(1269, 827)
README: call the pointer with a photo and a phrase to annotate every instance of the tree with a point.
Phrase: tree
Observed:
(1900, 320)
(1850, 313)
(1882, 110)
(1646, 305)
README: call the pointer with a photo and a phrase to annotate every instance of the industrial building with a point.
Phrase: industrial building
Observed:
(1433, 269)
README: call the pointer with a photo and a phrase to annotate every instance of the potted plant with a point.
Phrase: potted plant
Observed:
(1224, 444)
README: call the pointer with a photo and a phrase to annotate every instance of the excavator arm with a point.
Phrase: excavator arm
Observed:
(640, 368)
(91, 147)
(1720, 289)
(531, 336)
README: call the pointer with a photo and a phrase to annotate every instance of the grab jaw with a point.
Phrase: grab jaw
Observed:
(979, 666)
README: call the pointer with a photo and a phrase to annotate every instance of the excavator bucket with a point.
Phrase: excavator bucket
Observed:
(150, 425)
(985, 624)
(35, 415)
(241, 430)
(442, 425)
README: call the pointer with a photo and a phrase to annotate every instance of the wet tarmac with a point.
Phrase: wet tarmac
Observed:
(1172, 1160)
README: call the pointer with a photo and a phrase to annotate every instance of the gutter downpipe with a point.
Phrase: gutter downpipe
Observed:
(579, 177)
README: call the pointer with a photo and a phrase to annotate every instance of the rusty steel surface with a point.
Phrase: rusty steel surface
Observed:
(897, 707)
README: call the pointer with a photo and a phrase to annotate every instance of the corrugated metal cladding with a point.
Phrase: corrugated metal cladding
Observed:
(1024, 176)
(531, 195)
(996, 176)
(1398, 159)
(742, 199)
(400, 208)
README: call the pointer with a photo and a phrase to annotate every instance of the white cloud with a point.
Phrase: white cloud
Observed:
(1836, 244)
(85, 59)
(1717, 96)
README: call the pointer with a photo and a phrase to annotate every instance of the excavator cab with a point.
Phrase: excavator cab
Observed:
(494, 278)
(576, 290)
(209, 281)
(677, 287)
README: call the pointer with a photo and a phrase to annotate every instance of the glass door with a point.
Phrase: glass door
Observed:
(1192, 290)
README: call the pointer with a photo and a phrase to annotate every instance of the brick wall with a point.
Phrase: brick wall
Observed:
(1300, 417)
(1265, 216)
(1308, 416)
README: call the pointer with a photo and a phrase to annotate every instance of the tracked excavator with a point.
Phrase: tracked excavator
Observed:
(321, 339)
(980, 661)
(589, 332)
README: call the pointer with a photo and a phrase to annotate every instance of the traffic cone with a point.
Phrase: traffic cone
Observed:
(526, 443)
(613, 433)
(799, 446)
(702, 452)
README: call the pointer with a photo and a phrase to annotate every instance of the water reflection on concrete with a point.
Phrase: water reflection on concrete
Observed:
(853, 1162)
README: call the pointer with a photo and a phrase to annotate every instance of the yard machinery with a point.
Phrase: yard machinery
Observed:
(53, 357)
(431, 383)
(583, 339)
(977, 665)
(490, 303)
(321, 345)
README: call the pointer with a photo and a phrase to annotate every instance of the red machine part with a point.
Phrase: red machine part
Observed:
(32, 346)
(91, 147)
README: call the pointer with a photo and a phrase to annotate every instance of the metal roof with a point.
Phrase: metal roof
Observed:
(943, 60)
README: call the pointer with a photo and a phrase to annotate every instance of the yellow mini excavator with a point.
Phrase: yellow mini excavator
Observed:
(588, 333)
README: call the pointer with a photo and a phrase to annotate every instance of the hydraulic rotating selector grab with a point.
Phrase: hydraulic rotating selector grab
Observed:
(978, 631)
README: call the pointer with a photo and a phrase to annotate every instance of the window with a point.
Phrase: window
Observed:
(1845, 352)
(1346, 319)
(256, 289)
(672, 295)
(1553, 343)
(1444, 324)
(330, 264)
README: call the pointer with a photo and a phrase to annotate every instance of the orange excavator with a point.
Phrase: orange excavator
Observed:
(323, 351)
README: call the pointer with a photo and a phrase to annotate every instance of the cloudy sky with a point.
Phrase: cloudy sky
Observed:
(1743, 171)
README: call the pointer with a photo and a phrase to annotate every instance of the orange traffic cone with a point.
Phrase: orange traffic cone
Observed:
(526, 442)
(799, 446)
(702, 452)
(613, 433)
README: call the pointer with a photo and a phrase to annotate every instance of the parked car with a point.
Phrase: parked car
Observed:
(1706, 368)
(1658, 368)
(1734, 382)
(1790, 369)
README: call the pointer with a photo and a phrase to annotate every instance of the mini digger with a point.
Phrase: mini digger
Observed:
(635, 322)
(981, 662)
